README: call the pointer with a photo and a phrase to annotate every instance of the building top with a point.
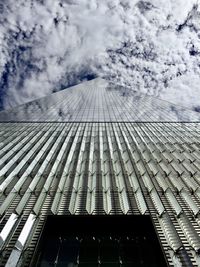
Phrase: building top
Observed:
(99, 101)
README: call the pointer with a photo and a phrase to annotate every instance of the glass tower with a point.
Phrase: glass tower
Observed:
(99, 101)
(99, 175)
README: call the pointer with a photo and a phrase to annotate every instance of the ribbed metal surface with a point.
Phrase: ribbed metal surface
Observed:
(100, 168)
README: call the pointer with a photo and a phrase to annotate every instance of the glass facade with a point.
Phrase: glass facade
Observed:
(95, 251)
(99, 242)
(99, 101)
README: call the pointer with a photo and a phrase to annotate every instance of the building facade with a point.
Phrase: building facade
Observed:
(98, 175)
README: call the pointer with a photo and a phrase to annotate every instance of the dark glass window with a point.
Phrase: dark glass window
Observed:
(98, 241)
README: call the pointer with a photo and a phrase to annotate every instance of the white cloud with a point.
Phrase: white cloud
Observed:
(153, 46)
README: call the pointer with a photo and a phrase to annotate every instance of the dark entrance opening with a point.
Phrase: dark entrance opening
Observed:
(99, 241)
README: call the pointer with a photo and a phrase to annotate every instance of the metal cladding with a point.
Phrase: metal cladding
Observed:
(103, 167)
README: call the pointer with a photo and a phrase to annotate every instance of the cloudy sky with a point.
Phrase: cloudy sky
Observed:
(151, 46)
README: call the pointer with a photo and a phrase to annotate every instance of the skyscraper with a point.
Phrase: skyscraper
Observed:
(99, 175)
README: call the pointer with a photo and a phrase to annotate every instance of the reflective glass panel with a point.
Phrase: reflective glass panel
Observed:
(99, 100)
